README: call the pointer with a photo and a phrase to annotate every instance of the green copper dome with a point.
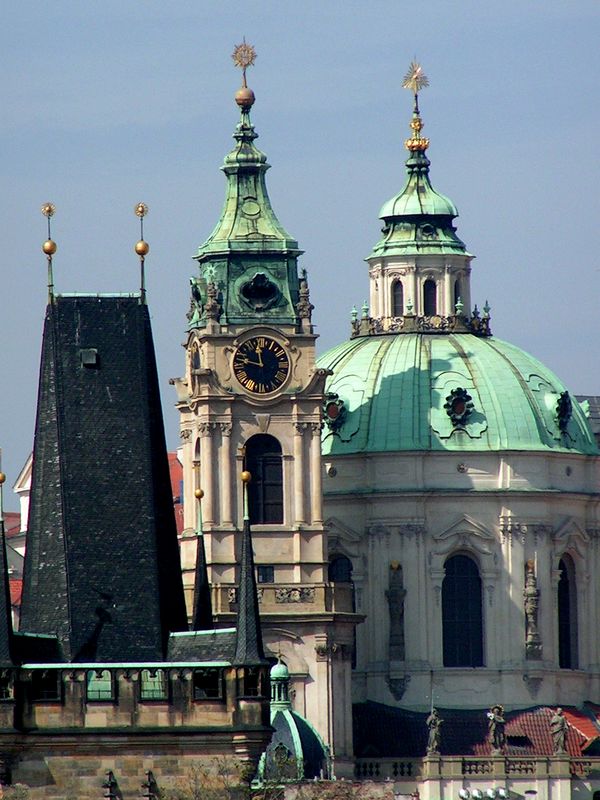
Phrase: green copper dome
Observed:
(418, 220)
(418, 197)
(455, 392)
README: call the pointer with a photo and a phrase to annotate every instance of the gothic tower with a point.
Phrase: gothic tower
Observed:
(252, 398)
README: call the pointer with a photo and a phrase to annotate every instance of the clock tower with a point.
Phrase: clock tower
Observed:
(252, 398)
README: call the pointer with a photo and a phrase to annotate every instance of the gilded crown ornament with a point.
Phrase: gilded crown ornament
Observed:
(415, 80)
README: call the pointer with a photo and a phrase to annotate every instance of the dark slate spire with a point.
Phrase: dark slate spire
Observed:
(202, 619)
(248, 645)
(6, 632)
(102, 568)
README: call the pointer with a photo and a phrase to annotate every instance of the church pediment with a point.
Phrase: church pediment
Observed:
(465, 532)
(571, 536)
(340, 537)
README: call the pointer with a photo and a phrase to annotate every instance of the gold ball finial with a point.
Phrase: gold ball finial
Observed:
(245, 98)
(246, 476)
(2, 478)
(198, 494)
(142, 248)
(49, 247)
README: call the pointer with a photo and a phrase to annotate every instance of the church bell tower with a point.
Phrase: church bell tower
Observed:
(252, 399)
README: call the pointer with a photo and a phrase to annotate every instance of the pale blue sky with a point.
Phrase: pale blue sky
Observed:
(106, 104)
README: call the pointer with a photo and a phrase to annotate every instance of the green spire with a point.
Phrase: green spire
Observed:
(249, 259)
(247, 223)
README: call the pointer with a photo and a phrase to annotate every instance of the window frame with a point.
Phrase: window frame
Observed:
(264, 460)
(457, 597)
(147, 699)
(112, 698)
(219, 697)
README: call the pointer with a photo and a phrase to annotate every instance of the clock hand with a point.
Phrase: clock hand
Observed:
(258, 353)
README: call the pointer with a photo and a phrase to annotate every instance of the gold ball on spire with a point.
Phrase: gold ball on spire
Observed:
(2, 478)
(142, 248)
(246, 476)
(49, 247)
(199, 494)
(245, 98)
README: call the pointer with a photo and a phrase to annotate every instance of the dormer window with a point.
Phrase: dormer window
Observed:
(429, 298)
(397, 299)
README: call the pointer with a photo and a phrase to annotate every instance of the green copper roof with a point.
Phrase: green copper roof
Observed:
(418, 197)
(248, 222)
(248, 265)
(395, 389)
(418, 220)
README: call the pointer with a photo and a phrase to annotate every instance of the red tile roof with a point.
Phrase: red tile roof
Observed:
(16, 589)
(12, 523)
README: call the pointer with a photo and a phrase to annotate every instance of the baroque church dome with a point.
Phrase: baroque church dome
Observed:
(417, 354)
(397, 395)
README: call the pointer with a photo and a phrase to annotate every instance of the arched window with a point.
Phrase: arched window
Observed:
(429, 298)
(567, 615)
(340, 570)
(265, 490)
(397, 299)
(457, 294)
(462, 613)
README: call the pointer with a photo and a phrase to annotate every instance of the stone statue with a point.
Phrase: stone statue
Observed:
(434, 724)
(212, 308)
(304, 307)
(558, 729)
(395, 597)
(531, 596)
(496, 724)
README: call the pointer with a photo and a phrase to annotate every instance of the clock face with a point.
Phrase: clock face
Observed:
(261, 365)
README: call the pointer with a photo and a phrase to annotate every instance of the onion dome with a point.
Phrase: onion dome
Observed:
(418, 217)
(454, 392)
(296, 750)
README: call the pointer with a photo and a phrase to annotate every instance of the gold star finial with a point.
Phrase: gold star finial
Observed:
(415, 79)
(244, 56)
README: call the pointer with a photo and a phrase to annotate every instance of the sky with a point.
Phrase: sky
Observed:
(104, 105)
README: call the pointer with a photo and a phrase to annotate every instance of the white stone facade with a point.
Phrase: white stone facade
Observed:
(418, 509)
